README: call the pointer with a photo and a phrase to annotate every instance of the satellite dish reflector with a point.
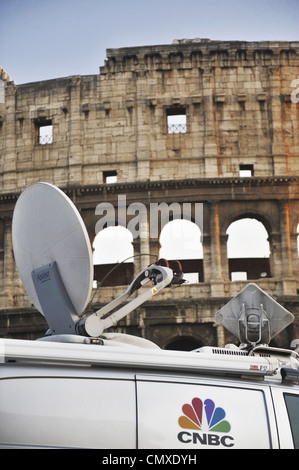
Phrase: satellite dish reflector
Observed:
(50, 242)
(253, 316)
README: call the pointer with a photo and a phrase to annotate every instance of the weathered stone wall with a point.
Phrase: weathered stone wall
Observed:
(235, 98)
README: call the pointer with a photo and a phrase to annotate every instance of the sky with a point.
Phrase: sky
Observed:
(45, 39)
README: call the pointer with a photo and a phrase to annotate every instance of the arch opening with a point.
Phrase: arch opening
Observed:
(112, 246)
(184, 343)
(248, 250)
(180, 239)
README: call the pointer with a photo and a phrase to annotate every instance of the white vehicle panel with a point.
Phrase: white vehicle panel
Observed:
(67, 412)
(286, 402)
(230, 417)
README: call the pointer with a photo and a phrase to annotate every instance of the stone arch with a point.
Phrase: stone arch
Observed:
(183, 343)
(295, 225)
(248, 249)
(249, 214)
(195, 333)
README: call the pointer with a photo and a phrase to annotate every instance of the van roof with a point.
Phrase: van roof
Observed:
(229, 361)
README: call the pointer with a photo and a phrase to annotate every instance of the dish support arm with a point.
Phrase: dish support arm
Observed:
(95, 324)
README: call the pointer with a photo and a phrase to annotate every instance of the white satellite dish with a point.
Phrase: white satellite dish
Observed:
(50, 241)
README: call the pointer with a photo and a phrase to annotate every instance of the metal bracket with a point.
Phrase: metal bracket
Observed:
(94, 325)
(54, 299)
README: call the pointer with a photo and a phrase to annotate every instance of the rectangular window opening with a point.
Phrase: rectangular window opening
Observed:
(246, 171)
(192, 278)
(239, 276)
(44, 132)
(110, 177)
(176, 120)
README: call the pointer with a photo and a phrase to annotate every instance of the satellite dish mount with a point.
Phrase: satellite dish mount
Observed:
(253, 316)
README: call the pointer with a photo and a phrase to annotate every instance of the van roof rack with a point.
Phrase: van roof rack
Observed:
(208, 361)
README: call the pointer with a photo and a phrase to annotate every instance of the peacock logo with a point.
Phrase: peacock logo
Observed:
(205, 417)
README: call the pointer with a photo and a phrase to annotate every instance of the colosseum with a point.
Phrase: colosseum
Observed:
(195, 121)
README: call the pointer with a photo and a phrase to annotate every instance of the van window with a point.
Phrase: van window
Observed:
(292, 403)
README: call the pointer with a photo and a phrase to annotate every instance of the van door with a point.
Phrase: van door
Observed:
(204, 413)
(286, 405)
(87, 411)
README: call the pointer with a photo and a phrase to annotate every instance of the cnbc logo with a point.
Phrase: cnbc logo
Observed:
(200, 421)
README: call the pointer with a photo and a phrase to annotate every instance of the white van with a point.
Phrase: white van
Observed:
(83, 387)
(113, 396)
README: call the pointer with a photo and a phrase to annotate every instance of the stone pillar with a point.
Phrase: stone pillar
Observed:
(224, 258)
(207, 259)
(286, 250)
(280, 158)
(141, 246)
(288, 280)
(294, 251)
(2, 228)
(215, 277)
(144, 242)
(9, 264)
(275, 255)
(9, 133)
(75, 140)
(210, 144)
(220, 336)
(155, 246)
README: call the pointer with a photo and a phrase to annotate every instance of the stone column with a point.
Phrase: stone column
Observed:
(294, 251)
(216, 277)
(141, 244)
(144, 243)
(279, 149)
(288, 280)
(220, 336)
(75, 140)
(9, 133)
(9, 264)
(275, 255)
(224, 257)
(210, 144)
(155, 246)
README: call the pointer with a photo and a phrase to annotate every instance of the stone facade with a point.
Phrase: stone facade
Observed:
(235, 109)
